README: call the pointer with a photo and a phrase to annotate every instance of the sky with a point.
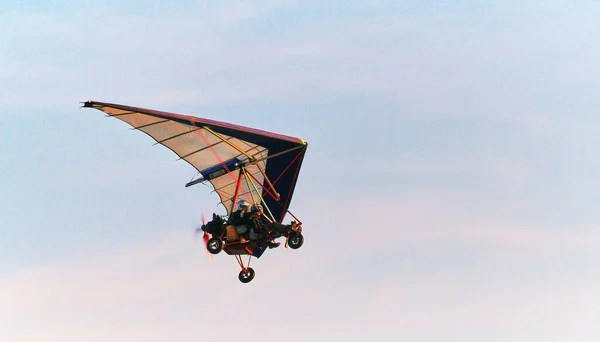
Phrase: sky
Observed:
(449, 191)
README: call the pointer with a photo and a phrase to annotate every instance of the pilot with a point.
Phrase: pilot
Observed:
(239, 218)
(260, 230)
(254, 222)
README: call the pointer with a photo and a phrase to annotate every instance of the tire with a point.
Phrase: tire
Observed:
(246, 277)
(214, 245)
(295, 240)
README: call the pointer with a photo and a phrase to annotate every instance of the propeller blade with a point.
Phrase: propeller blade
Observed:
(206, 237)
(199, 229)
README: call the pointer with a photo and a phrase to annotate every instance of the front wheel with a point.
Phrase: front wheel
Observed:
(214, 245)
(295, 241)
(246, 277)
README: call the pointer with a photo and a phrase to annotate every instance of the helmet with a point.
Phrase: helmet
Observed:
(257, 208)
(243, 203)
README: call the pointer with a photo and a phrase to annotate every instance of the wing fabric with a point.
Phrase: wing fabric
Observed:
(214, 148)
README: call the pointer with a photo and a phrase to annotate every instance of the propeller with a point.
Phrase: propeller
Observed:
(205, 235)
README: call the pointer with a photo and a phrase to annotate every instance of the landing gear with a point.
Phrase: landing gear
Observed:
(214, 245)
(247, 276)
(247, 273)
(295, 240)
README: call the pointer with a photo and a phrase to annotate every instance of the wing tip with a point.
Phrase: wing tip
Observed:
(87, 104)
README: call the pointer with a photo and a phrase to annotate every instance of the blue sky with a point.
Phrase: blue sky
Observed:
(449, 192)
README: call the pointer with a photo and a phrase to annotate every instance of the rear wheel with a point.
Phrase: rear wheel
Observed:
(296, 240)
(246, 277)
(214, 245)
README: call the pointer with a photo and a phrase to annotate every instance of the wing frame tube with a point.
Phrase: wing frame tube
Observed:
(194, 182)
(237, 189)
(276, 154)
(199, 131)
(226, 185)
(121, 114)
(172, 137)
(198, 151)
(262, 200)
(229, 143)
(150, 124)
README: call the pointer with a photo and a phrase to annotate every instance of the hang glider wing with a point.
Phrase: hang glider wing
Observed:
(219, 151)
